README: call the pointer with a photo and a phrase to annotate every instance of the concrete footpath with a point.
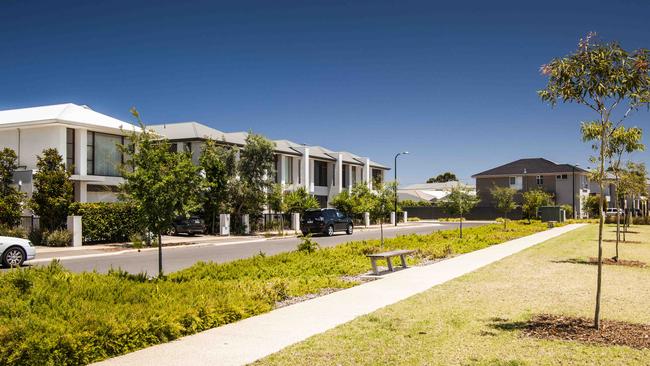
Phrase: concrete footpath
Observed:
(251, 339)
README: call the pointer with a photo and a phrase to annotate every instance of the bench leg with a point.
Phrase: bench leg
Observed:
(403, 258)
(374, 266)
(390, 264)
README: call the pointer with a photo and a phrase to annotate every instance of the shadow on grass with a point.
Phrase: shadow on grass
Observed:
(627, 232)
(606, 261)
(622, 241)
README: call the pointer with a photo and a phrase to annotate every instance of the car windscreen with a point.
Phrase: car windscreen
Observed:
(313, 214)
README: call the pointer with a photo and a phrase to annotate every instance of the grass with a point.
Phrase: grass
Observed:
(50, 316)
(473, 320)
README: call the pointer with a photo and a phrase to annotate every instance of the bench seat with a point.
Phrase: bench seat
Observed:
(402, 253)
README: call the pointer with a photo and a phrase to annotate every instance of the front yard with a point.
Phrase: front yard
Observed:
(479, 319)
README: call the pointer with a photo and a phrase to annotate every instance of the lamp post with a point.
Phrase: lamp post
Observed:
(396, 155)
(574, 190)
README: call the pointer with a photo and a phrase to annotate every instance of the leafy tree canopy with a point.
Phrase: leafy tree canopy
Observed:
(299, 201)
(10, 198)
(443, 178)
(53, 190)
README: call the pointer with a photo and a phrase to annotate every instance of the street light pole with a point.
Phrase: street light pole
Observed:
(396, 155)
(574, 190)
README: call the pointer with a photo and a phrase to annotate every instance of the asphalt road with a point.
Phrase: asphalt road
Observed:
(180, 257)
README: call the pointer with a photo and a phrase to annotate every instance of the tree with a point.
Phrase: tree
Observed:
(623, 140)
(299, 201)
(504, 198)
(218, 164)
(459, 202)
(533, 200)
(363, 199)
(163, 184)
(632, 183)
(383, 205)
(275, 199)
(602, 77)
(443, 178)
(344, 202)
(11, 199)
(256, 171)
(53, 190)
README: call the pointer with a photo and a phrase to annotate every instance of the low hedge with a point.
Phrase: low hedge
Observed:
(107, 222)
(50, 316)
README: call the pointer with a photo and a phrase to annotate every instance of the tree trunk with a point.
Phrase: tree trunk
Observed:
(505, 220)
(618, 229)
(601, 222)
(160, 264)
(461, 226)
(381, 231)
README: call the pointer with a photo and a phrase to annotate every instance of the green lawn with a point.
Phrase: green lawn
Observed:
(462, 322)
(50, 316)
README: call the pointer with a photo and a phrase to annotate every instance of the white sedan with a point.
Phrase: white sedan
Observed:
(15, 251)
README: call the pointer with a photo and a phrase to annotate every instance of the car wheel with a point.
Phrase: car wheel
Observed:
(175, 231)
(350, 229)
(13, 257)
(330, 230)
(305, 233)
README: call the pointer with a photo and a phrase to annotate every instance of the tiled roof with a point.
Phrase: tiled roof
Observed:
(529, 166)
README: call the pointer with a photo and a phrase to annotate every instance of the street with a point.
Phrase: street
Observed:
(180, 257)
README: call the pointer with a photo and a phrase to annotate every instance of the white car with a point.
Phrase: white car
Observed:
(612, 211)
(15, 251)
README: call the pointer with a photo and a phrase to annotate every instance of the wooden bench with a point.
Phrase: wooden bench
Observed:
(387, 256)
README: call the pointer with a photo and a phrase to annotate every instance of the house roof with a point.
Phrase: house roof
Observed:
(68, 113)
(429, 191)
(187, 130)
(437, 186)
(529, 166)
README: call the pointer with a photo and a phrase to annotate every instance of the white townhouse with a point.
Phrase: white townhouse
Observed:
(86, 139)
(323, 172)
(88, 142)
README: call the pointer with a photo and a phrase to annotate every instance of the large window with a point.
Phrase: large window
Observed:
(104, 156)
(288, 170)
(377, 176)
(69, 146)
(320, 173)
(540, 180)
(346, 176)
(276, 167)
(353, 178)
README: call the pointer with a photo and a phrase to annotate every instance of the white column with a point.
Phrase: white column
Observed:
(304, 169)
(75, 228)
(281, 170)
(81, 151)
(406, 216)
(338, 173)
(366, 172)
(366, 219)
(83, 191)
(350, 180)
(246, 222)
(392, 218)
(295, 221)
(224, 224)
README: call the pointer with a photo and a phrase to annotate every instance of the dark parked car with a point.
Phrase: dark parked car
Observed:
(325, 221)
(190, 226)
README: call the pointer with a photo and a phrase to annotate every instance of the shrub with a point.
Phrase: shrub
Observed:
(36, 236)
(413, 219)
(58, 238)
(568, 209)
(641, 220)
(307, 245)
(17, 232)
(108, 221)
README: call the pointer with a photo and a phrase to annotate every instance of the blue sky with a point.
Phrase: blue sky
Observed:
(454, 83)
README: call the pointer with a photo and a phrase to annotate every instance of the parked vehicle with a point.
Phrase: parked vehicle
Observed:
(15, 251)
(612, 211)
(188, 225)
(325, 221)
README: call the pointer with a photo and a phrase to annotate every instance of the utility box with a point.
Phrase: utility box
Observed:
(224, 224)
(552, 213)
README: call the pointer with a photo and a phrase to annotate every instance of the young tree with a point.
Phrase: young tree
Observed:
(458, 202)
(383, 205)
(218, 165)
(623, 141)
(256, 171)
(53, 190)
(299, 201)
(163, 184)
(533, 200)
(275, 199)
(602, 77)
(11, 199)
(443, 178)
(344, 202)
(363, 199)
(632, 183)
(504, 198)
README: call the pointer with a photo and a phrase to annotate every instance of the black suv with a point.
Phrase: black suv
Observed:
(325, 221)
(190, 226)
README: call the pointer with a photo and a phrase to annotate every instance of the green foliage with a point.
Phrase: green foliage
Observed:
(275, 199)
(108, 222)
(344, 202)
(16, 232)
(299, 201)
(504, 198)
(443, 178)
(535, 199)
(384, 202)
(11, 199)
(256, 171)
(307, 244)
(412, 203)
(53, 190)
(458, 202)
(568, 209)
(68, 318)
(591, 205)
(218, 164)
(632, 180)
(57, 238)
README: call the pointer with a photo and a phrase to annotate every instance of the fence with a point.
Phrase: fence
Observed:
(30, 223)
(478, 213)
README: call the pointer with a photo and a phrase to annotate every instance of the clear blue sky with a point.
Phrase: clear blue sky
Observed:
(452, 82)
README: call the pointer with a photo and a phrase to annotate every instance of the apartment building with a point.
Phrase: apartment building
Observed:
(323, 172)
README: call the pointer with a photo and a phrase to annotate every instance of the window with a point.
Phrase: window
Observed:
(562, 177)
(276, 167)
(322, 201)
(104, 155)
(515, 182)
(540, 180)
(299, 171)
(333, 175)
(69, 146)
(353, 179)
(288, 170)
(173, 147)
(377, 176)
(320, 173)
(346, 174)
(187, 147)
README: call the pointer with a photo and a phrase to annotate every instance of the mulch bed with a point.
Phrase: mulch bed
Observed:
(545, 326)
(607, 261)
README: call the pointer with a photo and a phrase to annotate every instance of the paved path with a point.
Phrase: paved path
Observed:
(254, 338)
(180, 257)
